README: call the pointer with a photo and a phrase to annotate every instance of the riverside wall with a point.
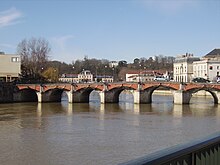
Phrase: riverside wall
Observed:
(6, 92)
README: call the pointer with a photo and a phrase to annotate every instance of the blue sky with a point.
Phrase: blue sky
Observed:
(112, 29)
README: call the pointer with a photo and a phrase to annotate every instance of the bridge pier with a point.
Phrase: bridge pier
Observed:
(142, 96)
(181, 97)
(40, 94)
(102, 96)
(70, 94)
(39, 97)
(136, 95)
(216, 97)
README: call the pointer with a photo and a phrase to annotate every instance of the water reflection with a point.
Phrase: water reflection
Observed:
(94, 133)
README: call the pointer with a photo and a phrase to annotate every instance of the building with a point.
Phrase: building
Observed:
(132, 76)
(183, 67)
(85, 76)
(10, 67)
(215, 53)
(113, 64)
(69, 78)
(209, 66)
(142, 76)
(105, 78)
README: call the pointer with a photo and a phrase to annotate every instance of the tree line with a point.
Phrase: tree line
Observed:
(37, 67)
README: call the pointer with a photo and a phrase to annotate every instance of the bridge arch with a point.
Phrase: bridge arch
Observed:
(146, 94)
(211, 91)
(25, 95)
(52, 95)
(112, 96)
(82, 95)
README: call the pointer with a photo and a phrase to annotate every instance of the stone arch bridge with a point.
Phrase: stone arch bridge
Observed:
(109, 93)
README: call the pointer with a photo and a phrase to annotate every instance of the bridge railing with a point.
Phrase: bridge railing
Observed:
(201, 152)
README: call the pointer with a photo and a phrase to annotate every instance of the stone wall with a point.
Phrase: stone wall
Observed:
(6, 92)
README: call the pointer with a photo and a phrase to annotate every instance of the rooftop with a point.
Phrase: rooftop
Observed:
(213, 54)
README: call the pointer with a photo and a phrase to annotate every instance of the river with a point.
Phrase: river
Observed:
(98, 134)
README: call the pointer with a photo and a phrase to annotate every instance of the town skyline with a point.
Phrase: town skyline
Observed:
(113, 30)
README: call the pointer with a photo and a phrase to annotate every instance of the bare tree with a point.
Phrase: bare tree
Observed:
(34, 55)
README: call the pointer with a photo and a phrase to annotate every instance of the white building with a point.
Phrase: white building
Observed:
(132, 77)
(69, 78)
(183, 68)
(209, 66)
(85, 76)
(105, 78)
(10, 66)
(141, 76)
(113, 64)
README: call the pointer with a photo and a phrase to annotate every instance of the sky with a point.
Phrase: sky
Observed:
(112, 29)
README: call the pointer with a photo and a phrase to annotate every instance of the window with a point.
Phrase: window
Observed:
(217, 67)
(15, 59)
(210, 67)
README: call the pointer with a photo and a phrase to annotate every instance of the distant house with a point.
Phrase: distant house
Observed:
(85, 76)
(10, 67)
(69, 78)
(113, 64)
(105, 78)
(142, 76)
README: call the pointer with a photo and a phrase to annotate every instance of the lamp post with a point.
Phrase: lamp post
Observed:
(113, 69)
(41, 76)
(96, 73)
(145, 73)
(72, 74)
(104, 73)
(55, 75)
(139, 80)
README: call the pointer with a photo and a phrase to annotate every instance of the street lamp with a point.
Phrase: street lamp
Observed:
(41, 78)
(96, 73)
(72, 74)
(145, 73)
(104, 73)
(113, 69)
(55, 75)
(139, 80)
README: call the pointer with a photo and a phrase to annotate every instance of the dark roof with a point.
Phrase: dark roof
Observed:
(186, 59)
(213, 54)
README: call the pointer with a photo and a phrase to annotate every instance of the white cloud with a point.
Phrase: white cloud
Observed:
(62, 41)
(62, 48)
(10, 17)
